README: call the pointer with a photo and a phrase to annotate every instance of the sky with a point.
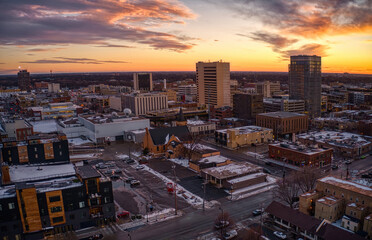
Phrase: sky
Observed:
(172, 35)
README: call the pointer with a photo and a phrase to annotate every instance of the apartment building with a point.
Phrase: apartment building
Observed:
(142, 103)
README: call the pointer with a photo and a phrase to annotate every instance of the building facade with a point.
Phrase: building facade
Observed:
(285, 105)
(247, 106)
(267, 89)
(24, 80)
(213, 83)
(283, 123)
(142, 103)
(305, 82)
(142, 81)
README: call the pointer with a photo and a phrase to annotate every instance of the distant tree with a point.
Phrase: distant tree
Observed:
(192, 146)
(306, 178)
(146, 151)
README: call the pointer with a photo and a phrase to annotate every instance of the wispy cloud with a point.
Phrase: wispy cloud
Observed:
(59, 60)
(25, 22)
(44, 49)
(307, 49)
(276, 41)
(309, 19)
(114, 46)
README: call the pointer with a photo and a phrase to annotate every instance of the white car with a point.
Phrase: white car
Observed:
(280, 235)
(139, 167)
(230, 234)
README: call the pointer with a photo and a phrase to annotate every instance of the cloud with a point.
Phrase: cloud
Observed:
(38, 22)
(114, 46)
(58, 60)
(307, 49)
(44, 49)
(276, 41)
(309, 19)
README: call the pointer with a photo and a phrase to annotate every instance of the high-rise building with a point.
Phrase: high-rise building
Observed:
(142, 103)
(142, 81)
(247, 106)
(305, 82)
(24, 81)
(213, 83)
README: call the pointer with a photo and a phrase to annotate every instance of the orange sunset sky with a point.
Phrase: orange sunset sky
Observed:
(170, 35)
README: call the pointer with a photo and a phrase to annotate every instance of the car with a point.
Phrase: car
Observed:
(280, 235)
(230, 234)
(122, 214)
(334, 167)
(139, 167)
(363, 157)
(96, 237)
(348, 162)
(221, 224)
(108, 172)
(117, 171)
(257, 212)
(115, 177)
(129, 180)
(134, 183)
(130, 161)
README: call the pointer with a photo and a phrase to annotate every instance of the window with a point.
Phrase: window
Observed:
(107, 199)
(57, 219)
(330, 217)
(81, 204)
(60, 153)
(356, 199)
(72, 216)
(56, 209)
(11, 206)
(54, 199)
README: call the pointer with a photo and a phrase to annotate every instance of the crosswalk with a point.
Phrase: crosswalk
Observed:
(108, 230)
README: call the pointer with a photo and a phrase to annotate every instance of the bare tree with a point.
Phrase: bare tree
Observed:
(306, 178)
(287, 190)
(192, 146)
(225, 221)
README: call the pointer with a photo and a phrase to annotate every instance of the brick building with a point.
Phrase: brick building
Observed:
(247, 106)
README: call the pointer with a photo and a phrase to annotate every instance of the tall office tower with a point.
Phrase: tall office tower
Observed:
(305, 82)
(213, 83)
(24, 81)
(142, 81)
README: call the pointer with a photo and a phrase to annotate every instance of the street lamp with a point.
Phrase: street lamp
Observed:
(223, 221)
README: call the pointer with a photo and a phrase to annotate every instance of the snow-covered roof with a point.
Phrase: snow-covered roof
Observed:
(45, 126)
(300, 148)
(343, 139)
(328, 200)
(245, 178)
(25, 173)
(214, 159)
(245, 129)
(232, 170)
(348, 185)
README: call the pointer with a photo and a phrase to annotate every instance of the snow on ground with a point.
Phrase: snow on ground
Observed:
(190, 198)
(254, 189)
(182, 162)
(87, 156)
(136, 154)
(78, 141)
(252, 154)
(121, 156)
(44, 126)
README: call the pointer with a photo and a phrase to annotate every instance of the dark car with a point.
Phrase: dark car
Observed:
(348, 162)
(130, 161)
(334, 167)
(95, 237)
(257, 212)
(129, 180)
(114, 177)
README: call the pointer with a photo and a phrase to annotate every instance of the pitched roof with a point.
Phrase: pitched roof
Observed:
(160, 135)
(305, 222)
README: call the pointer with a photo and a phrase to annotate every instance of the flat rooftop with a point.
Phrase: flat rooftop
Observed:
(87, 171)
(338, 139)
(328, 200)
(351, 186)
(246, 178)
(213, 159)
(245, 129)
(26, 173)
(109, 118)
(232, 170)
(281, 114)
(300, 148)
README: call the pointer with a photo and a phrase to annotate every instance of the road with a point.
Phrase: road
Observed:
(198, 222)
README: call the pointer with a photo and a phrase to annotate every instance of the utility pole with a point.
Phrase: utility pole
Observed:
(223, 222)
(204, 186)
(175, 189)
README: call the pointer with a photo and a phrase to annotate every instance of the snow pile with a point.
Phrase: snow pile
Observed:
(45, 126)
(84, 156)
(182, 162)
(78, 141)
(190, 198)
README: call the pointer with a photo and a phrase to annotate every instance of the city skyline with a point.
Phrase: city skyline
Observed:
(162, 35)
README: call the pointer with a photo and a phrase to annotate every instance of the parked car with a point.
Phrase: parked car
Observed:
(348, 162)
(129, 180)
(230, 234)
(257, 212)
(221, 224)
(130, 161)
(122, 214)
(108, 172)
(117, 171)
(139, 167)
(96, 237)
(134, 183)
(280, 235)
(334, 167)
(115, 177)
